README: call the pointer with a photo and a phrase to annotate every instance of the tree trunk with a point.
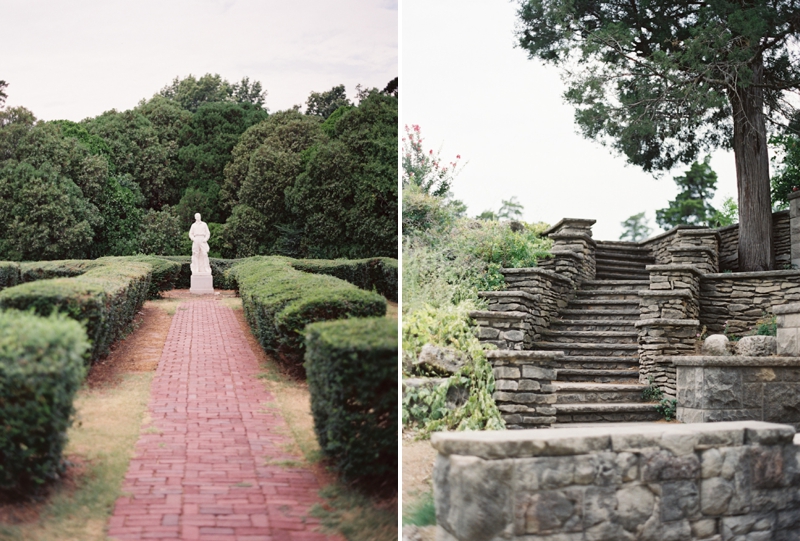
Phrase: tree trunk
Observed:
(752, 175)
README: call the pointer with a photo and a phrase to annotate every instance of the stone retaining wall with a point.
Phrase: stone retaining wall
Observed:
(743, 298)
(731, 388)
(781, 243)
(524, 393)
(720, 481)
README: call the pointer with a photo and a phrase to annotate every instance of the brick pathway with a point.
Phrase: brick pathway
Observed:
(212, 465)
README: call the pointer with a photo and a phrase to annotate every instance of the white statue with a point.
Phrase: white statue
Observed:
(200, 234)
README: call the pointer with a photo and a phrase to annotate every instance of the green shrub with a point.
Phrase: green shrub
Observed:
(352, 377)
(164, 274)
(279, 301)
(32, 271)
(105, 298)
(378, 273)
(9, 274)
(41, 368)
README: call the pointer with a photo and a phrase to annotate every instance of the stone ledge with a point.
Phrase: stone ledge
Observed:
(658, 322)
(666, 293)
(567, 253)
(675, 249)
(747, 275)
(790, 308)
(573, 236)
(684, 439)
(537, 270)
(729, 360)
(502, 294)
(793, 195)
(490, 314)
(581, 222)
(524, 355)
(674, 267)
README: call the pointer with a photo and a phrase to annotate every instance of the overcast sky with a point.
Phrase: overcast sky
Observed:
(72, 60)
(474, 94)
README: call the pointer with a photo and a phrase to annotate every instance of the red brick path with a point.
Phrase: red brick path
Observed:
(209, 466)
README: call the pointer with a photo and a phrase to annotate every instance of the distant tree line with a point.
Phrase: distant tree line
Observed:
(319, 184)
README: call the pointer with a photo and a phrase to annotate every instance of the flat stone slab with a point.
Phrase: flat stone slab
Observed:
(523, 355)
(728, 360)
(683, 438)
(202, 284)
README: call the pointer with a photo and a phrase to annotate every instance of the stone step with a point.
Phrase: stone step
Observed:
(598, 362)
(592, 325)
(593, 349)
(604, 275)
(614, 246)
(598, 315)
(575, 392)
(588, 285)
(637, 271)
(602, 412)
(609, 294)
(591, 337)
(591, 302)
(597, 375)
(632, 262)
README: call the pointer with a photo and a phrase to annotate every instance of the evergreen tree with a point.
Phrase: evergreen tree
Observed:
(691, 205)
(635, 228)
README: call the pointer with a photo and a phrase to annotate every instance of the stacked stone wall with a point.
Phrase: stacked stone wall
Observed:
(741, 299)
(719, 481)
(524, 392)
(781, 243)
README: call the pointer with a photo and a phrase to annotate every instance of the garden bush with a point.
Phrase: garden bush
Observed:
(105, 298)
(352, 376)
(279, 301)
(9, 274)
(41, 368)
(378, 273)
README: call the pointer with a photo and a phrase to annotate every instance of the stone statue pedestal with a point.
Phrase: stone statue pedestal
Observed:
(202, 284)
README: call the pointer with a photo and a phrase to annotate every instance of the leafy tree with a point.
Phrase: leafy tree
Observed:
(345, 200)
(190, 93)
(510, 209)
(3, 95)
(728, 215)
(44, 214)
(325, 103)
(391, 87)
(161, 233)
(635, 228)
(487, 216)
(691, 205)
(662, 81)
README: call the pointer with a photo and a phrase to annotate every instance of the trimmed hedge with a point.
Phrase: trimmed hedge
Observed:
(41, 368)
(279, 301)
(9, 274)
(33, 271)
(378, 273)
(351, 366)
(105, 298)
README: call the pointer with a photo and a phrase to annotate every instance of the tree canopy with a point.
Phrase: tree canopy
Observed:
(691, 206)
(662, 81)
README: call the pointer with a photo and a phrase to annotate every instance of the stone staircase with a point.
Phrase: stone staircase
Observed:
(598, 377)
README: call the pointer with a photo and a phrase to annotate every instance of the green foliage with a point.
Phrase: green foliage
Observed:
(352, 378)
(104, 297)
(787, 167)
(635, 228)
(729, 214)
(510, 209)
(653, 392)
(421, 512)
(425, 169)
(191, 93)
(161, 233)
(279, 301)
(767, 326)
(423, 211)
(44, 214)
(9, 274)
(378, 274)
(41, 368)
(324, 104)
(428, 410)
(691, 205)
(667, 408)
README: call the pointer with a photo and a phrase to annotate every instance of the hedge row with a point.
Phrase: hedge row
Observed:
(351, 366)
(105, 298)
(41, 368)
(9, 274)
(378, 273)
(279, 301)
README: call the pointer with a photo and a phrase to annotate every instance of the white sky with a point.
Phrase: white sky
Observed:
(72, 60)
(474, 94)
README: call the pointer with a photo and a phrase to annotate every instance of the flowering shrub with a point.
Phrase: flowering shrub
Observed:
(425, 169)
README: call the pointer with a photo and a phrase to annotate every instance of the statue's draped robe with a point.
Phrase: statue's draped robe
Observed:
(200, 234)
